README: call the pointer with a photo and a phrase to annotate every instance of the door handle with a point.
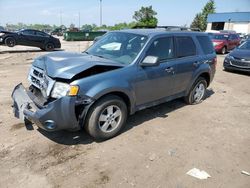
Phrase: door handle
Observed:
(169, 69)
(197, 63)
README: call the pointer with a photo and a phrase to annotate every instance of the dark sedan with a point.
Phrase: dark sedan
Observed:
(239, 59)
(29, 37)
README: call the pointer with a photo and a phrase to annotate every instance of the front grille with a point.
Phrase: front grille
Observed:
(241, 59)
(41, 81)
(240, 64)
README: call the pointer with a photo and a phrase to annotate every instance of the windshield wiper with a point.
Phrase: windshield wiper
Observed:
(99, 56)
(85, 52)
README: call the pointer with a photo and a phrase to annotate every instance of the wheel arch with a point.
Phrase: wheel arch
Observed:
(205, 74)
(124, 96)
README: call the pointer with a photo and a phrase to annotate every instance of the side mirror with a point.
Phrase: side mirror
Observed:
(150, 61)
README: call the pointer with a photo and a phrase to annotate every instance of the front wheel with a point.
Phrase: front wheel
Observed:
(197, 92)
(106, 118)
(10, 42)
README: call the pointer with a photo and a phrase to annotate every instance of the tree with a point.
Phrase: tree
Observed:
(200, 20)
(197, 22)
(145, 17)
(72, 26)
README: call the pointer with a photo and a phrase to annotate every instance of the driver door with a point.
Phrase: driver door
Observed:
(155, 83)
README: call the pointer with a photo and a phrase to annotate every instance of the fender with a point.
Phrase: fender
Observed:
(204, 68)
(96, 91)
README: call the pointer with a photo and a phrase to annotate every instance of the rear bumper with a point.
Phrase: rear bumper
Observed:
(57, 115)
(58, 45)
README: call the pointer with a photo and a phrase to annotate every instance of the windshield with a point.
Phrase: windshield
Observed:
(218, 37)
(245, 46)
(118, 46)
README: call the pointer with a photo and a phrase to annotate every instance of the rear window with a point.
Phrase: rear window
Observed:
(205, 44)
(185, 47)
(219, 36)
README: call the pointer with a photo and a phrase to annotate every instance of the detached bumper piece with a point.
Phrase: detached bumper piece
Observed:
(56, 115)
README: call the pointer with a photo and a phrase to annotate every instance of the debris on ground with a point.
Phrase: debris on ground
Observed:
(152, 157)
(200, 174)
(172, 152)
(245, 172)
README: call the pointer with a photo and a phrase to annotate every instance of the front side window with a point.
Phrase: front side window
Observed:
(185, 47)
(118, 46)
(163, 48)
(28, 32)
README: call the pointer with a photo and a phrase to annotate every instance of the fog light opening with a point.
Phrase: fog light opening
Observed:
(50, 124)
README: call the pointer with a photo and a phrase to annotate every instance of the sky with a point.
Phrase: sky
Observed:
(170, 12)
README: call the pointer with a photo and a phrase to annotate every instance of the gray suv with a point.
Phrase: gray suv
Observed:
(123, 72)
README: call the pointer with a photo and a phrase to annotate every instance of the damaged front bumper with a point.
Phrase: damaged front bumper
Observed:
(56, 115)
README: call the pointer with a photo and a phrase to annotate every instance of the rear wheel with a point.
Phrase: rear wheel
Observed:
(106, 118)
(197, 92)
(49, 47)
(10, 42)
(224, 50)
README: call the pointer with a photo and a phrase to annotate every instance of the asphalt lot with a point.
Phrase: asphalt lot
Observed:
(156, 149)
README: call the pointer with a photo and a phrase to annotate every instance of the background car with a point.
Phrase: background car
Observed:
(29, 37)
(239, 59)
(1, 28)
(245, 38)
(224, 42)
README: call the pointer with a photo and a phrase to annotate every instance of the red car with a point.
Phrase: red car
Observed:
(224, 42)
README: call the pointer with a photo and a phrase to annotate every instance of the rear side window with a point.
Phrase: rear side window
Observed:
(41, 34)
(205, 44)
(185, 47)
(163, 48)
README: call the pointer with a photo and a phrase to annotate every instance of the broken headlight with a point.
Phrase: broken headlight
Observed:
(62, 89)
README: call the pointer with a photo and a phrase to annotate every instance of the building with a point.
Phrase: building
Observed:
(237, 21)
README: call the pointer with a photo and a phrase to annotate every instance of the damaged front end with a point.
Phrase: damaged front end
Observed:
(49, 106)
(51, 101)
(55, 115)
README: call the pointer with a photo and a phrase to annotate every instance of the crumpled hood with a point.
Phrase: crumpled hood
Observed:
(241, 54)
(66, 65)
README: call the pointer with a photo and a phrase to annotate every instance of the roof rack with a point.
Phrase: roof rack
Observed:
(168, 28)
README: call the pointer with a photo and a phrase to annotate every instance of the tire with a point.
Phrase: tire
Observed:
(197, 92)
(101, 121)
(10, 41)
(49, 46)
(224, 50)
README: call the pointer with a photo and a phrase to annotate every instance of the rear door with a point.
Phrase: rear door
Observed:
(186, 62)
(40, 39)
(154, 83)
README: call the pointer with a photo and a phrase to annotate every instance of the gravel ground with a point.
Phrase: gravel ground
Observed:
(156, 149)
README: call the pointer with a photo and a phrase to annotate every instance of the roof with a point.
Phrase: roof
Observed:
(153, 32)
(232, 16)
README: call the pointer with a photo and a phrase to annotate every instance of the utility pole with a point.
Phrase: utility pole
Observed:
(79, 20)
(100, 13)
(60, 18)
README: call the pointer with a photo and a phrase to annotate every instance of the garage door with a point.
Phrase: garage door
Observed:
(241, 27)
